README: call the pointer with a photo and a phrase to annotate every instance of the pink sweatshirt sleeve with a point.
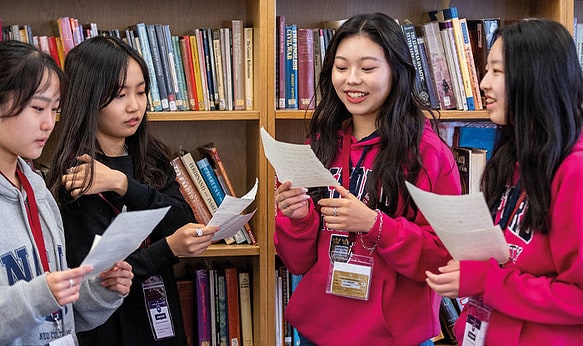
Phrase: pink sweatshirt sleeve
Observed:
(550, 298)
(296, 241)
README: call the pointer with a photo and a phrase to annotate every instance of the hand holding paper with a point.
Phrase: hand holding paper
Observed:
(123, 236)
(464, 225)
(296, 163)
(228, 216)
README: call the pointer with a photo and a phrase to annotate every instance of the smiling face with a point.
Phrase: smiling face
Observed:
(122, 116)
(361, 76)
(26, 133)
(494, 85)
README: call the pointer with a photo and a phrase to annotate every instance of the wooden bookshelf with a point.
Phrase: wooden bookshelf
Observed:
(237, 133)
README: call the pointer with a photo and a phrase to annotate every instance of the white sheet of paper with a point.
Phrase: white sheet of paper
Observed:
(123, 236)
(228, 216)
(463, 223)
(296, 163)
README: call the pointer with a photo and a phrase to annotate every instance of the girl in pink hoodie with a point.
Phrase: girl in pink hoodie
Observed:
(363, 248)
(533, 185)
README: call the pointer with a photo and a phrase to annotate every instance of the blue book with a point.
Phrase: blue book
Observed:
(155, 104)
(157, 61)
(295, 280)
(211, 180)
(291, 66)
(478, 137)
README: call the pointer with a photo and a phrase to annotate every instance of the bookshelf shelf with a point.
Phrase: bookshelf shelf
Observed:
(223, 250)
(445, 115)
(203, 116)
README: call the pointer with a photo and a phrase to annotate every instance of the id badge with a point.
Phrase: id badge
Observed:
(66, 340)
(476, 323)
(350, 279)
(157, 306)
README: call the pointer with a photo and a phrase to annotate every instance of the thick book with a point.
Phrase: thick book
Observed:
(238, 64)
(158, 68)
(203, 313)
(248, 33)
(291, 66)
(481, 135)
(233, 311)
(186, 298)
(65, 33)
(227, 58)
(190, 192)
(420, 77)
(481, 32)
(438, 62)
(246, 313)
(155, 103)
(431, 87)
(318, 60)
(211, 152)
(306, 99)
(167, 59)
(218, 68)
(281, 60)
(471, 163)
(211, 180)
(199, 182)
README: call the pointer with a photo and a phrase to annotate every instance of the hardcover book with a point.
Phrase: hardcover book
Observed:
(190, 192)
(439, 68)
(245, 303)
(203, 313)
(233, 311)
(306, 99)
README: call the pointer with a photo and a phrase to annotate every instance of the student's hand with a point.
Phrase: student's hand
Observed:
(293, 202)
(65, 284)
(118, 278)
(447, 283)
(104, 178)
(347, 213)
(191, 239)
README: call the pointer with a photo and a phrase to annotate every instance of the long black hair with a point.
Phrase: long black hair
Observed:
(544, 98)
(400, 122)
(95, 72)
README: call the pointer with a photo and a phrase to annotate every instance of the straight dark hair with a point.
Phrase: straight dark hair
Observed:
(544, 98)
(22, 68)
(400, 122)
(96, 71)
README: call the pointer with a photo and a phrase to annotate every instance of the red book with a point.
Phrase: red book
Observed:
(233, 314)
(186, 51)
(186, 295)
(306, 88)
(54, 50)
(190, 192)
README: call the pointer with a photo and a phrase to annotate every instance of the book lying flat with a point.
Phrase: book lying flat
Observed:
(464, 225)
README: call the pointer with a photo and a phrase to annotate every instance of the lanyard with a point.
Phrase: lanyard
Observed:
(116, 211)
(33, 219)
(348, 180)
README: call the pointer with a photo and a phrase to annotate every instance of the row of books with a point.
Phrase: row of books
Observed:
(216, 307)
(204, 182)
(448, 52)
(300, 53)
(285, 284)
(212, 69)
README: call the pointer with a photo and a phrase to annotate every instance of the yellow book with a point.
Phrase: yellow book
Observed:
(198, 77)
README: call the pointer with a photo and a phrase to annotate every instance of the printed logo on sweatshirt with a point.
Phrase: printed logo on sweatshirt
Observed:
(358, 182)
(515, 251)
(17, 264)
(516, 220)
